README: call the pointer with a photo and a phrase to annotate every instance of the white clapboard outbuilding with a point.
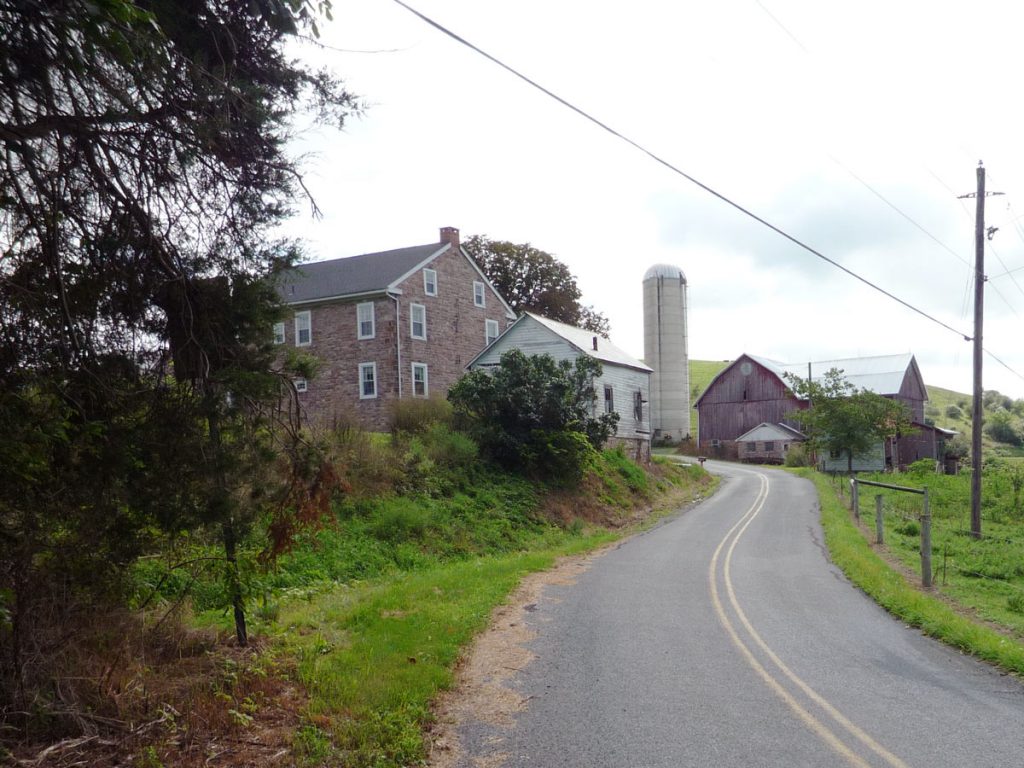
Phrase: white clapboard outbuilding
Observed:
(624, 386)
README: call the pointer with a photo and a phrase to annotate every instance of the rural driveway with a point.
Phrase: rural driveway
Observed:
(725, 637)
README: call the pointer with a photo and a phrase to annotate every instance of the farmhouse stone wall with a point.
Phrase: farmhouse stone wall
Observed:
(455, 333)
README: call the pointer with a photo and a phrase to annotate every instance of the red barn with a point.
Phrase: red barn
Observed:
(753, 390)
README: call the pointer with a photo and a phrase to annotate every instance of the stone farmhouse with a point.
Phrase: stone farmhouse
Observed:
(624, 386)
(388, 325)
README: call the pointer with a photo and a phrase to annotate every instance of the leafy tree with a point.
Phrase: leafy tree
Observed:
(532, 280)
(535, 414)
(143, 167)
(843, 419)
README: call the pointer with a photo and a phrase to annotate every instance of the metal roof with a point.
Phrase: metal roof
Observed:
(354, 275)
(765, 431)
(664, 270)
(882, 374)
(583, 340)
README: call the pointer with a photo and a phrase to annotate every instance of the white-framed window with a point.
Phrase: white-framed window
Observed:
(417, 321)
(491, 331)
(420, 385)
(367, 380)
(769, 445)
(609, 399)
(279, 333)
(303, 329)
(430, 282)
(301, 385)
(479, 298)
(366, 327)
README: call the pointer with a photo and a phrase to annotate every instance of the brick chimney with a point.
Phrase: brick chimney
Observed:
(450, 235)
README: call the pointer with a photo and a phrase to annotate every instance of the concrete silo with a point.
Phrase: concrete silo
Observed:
(666, 351)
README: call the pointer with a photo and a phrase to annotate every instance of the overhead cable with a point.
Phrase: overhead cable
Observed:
(658, 159)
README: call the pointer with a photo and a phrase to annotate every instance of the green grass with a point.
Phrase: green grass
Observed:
(374, 611)
(984, 575)
(701, 374)
(373, 657)
(851, 551)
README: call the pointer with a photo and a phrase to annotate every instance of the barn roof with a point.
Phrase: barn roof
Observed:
(765, 431)
(881, 374)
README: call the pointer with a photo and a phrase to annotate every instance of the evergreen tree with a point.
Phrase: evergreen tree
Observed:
(143, 167)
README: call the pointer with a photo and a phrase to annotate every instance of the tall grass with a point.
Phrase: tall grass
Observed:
(372, 610)
(851, 551)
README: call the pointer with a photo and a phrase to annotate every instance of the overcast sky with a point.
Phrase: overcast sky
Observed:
(808, 113)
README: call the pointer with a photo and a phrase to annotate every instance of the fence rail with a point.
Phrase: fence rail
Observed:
(925, 520)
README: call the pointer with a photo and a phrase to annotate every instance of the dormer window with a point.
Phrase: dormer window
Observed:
(430, 282)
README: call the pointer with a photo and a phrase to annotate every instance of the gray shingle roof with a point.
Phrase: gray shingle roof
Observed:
(368, 273)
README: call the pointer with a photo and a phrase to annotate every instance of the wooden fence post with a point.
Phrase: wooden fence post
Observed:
(855, 498)
(926, 544)
(879, 533)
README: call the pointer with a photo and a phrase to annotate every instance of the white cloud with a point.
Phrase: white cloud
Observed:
(725, 93)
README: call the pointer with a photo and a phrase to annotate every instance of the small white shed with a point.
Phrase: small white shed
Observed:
(624, 386)
(768, 443)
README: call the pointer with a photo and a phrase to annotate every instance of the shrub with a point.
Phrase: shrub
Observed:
(446, 447)
(535, 414)
(417, 415)
(796, 456)
(1002, 426)
(953, 412)
(922, 467)
(565, 455)
(958, 447)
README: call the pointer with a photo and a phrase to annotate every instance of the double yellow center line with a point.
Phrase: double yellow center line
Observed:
(825, 729)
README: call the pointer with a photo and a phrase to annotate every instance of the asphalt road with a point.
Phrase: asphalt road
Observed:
(725, 637)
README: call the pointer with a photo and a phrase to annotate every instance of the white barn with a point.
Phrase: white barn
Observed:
(624, 386)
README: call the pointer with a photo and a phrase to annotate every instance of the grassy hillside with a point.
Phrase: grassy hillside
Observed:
(701, 374)
(354, 630)
(949, 409)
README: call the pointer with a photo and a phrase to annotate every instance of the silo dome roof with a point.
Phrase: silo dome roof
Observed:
(665, 270)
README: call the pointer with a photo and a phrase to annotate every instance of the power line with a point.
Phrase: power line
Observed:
(1011, 370)
(892, 205)
(604, 126)
(782, 26)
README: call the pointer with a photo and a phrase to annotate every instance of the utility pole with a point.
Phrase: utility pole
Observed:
(979, 316)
